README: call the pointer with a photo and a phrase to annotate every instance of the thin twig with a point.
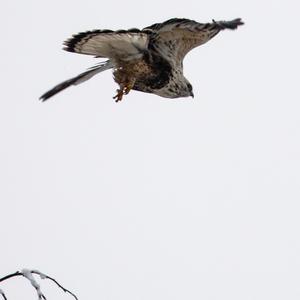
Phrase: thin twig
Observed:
(28, 275)
(2, 294)
(7, 277)
(52, 279)
(11, 275)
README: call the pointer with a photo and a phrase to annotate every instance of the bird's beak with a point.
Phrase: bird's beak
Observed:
(192, 94)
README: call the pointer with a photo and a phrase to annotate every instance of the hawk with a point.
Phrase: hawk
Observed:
(148, 60)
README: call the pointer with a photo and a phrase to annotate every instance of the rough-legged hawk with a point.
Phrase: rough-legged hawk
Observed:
(147, 60)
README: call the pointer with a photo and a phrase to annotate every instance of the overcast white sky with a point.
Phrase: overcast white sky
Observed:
(152, 198)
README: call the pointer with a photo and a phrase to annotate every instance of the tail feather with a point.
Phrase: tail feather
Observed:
(233, 24)
(77, 79)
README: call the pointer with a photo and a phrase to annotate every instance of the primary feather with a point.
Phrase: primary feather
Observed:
(110, 44)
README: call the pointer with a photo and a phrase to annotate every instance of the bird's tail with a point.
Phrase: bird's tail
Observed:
(233, 24)
(77, 79)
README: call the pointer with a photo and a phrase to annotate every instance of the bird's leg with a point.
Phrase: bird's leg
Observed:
(128, 87)
(120, 93)
(124, 89)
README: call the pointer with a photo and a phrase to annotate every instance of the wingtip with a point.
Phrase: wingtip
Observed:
(42, 99)
(46, 96)
(238, 22)
(233, 24)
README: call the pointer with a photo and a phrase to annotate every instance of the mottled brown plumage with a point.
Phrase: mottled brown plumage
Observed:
(127, 74)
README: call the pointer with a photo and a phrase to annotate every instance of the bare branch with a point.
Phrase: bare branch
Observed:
(8, 277)
(11, 275)
(28, 274)
(44, 276)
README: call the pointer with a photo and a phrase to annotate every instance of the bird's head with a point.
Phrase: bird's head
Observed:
(189, 90)
(186, 89)
(177, 89)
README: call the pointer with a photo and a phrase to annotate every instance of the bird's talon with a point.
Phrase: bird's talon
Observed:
(124, 90)
(119, 95)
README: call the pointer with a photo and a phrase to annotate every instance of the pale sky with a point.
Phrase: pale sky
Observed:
(152, 198)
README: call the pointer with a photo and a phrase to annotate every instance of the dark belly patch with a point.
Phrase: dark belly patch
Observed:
(152, 72)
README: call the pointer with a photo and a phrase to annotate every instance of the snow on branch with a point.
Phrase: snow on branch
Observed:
(28, 274)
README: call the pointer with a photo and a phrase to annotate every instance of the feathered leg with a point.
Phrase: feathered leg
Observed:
(124, 89)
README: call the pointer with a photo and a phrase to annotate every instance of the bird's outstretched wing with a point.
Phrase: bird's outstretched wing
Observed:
(176, 37)
(77, 79)
(120, 44)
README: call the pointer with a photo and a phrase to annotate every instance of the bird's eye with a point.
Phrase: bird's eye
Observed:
(189, 86)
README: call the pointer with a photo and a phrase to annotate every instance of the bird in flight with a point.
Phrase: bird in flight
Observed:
(148, 60)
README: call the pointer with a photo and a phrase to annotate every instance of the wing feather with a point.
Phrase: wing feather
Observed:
(77, 79)
(122, 44)
(176, 37)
